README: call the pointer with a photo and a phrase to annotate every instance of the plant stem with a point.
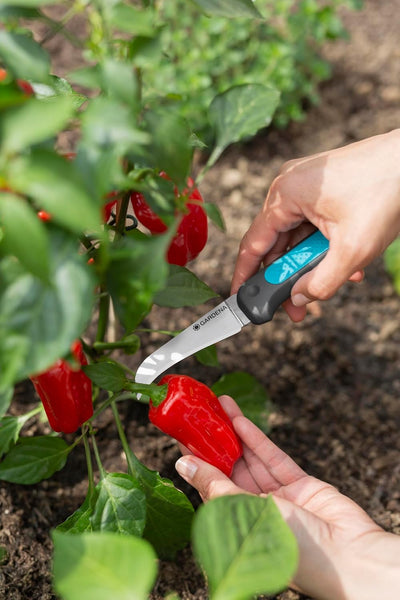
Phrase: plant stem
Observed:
(121, 214)
(127, 449)
(89, 464)
(97, 456)
(104, 306)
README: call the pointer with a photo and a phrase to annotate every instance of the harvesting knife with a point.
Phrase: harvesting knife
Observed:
(256, 302)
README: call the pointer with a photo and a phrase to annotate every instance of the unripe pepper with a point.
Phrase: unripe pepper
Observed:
(191, 413)
(66, 392)
(192, 232)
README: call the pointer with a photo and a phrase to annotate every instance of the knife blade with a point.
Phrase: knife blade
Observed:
(256, 302)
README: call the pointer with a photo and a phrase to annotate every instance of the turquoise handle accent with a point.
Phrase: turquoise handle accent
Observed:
(296, 259)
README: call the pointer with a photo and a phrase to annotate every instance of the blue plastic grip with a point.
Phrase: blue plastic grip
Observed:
(296, 259)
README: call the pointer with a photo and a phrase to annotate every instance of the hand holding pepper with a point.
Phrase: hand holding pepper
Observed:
(191, 413)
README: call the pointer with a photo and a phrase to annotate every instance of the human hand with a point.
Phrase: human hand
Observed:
(351, 194)
(343, 553)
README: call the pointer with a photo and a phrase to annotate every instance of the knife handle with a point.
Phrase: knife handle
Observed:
(261, 295)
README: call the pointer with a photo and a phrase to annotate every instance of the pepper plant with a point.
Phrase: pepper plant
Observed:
(100, 211)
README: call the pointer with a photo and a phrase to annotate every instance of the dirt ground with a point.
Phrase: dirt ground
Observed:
(334, 379)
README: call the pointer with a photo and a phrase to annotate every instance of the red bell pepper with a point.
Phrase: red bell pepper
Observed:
(191, 413)
(192, 232)
(66, 392)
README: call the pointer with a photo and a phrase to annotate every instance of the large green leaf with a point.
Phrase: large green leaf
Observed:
(249, 393)
(6, 396)
(101, 566)
(137, 271)
(183, 288)
(244, 546)
(169, 512)
(58, 188)
(33, 122)
(239, 113)
(34, 459)
(10, 427)
(25, 236)
(170, 147)
(132, 19)
(38, 321)
(229, 8)
(79, 521)
(25, 57)
(120, 506)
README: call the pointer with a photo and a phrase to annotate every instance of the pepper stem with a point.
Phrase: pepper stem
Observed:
(157, 393)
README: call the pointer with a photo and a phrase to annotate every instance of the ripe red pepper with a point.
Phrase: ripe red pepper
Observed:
(192, 414)
(191, 235)
(66, 393)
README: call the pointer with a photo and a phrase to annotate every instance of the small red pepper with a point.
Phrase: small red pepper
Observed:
(66, 392)
(191, 235)
(192, 414)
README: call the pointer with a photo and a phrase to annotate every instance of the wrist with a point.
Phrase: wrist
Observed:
(370, 570)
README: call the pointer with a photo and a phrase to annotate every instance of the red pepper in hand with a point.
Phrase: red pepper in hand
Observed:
(66, 393)
(192, 414)
(191, 235)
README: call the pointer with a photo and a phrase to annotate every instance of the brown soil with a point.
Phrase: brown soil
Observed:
(334, 379)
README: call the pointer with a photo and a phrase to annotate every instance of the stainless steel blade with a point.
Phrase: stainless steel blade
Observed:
(221, 322)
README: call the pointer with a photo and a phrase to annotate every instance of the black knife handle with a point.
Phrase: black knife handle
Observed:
(261, 295)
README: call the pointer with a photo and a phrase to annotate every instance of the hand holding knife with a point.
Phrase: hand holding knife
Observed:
(256, 302)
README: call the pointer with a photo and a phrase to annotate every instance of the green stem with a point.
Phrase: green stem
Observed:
(97, 456)
(104, 307)
(127, 449)
(31, 413)
(157, 393)
(100, 346)
(123, 209)
(89, 464)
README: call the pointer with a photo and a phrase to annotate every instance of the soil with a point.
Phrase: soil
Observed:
(334, 379)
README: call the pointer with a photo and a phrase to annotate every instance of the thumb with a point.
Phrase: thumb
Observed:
(209, 481)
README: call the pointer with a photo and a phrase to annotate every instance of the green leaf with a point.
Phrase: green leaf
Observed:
(9, 431)
(6, 396)
(208, 356)
(107, 375)
(229, 8)
(120, 506)
(33, 122)
(23, 56)
(39, 322)
(239, 113)
(244, 546)
(58, 86)
(183, 288)
(132, 19)
(34, 459)
(136, 272)
(170, 148)
(214, 213)
(32, 2)
(25, 235)
(250, 395)
(120, 83)
(169, 512)
(3, 554)
(57, 187)
(392, 263)
(101, 566)
(79, 521)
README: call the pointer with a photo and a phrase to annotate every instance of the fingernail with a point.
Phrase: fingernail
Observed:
(186, 467)
(300, 300)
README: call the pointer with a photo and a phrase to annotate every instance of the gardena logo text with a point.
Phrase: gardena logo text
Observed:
(209, 317)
